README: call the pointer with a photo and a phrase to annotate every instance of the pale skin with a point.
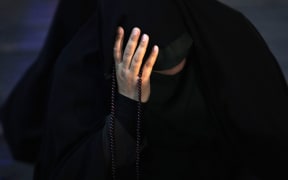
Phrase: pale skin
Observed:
(128, 63)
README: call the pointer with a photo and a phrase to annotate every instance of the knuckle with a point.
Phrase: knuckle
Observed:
(119, 36)
(128, 53)
(133, 38)
(133, 66)
(115, 49)
(136, 60)
(143, 46)
(123, 73)
(148, 64)
(145, 79)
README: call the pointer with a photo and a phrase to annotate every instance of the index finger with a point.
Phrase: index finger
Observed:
(118, 45)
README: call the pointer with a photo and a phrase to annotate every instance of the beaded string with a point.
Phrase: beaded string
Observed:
(112, 127)
(138, 126)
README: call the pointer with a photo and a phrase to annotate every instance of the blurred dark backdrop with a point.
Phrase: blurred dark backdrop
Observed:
(24, 24)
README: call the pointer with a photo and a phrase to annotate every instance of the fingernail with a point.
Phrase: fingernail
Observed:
(144, 37)
(156, 48)
(135, 31)
(119, 29)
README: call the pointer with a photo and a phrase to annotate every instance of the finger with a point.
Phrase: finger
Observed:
(139, 54)
(118, 45)
(147, 68)
(130, 47)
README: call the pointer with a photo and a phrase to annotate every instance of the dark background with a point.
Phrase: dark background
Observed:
(24, 25)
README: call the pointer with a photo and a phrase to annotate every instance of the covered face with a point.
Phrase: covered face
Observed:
(161, 20)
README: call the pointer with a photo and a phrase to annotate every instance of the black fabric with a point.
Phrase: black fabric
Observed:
(183, 139)
(65, 95)
(174, 52)
(176, 116)
(242, 82)
(23, 112)
(126, 113)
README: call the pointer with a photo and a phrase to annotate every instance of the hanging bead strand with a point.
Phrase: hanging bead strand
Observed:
(112, 126)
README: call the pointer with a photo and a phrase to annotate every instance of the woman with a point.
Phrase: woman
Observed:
(214, 104)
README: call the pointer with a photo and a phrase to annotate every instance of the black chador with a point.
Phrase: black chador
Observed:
(224, 115)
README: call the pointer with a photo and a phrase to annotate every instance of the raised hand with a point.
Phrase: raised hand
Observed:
(128, 64)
